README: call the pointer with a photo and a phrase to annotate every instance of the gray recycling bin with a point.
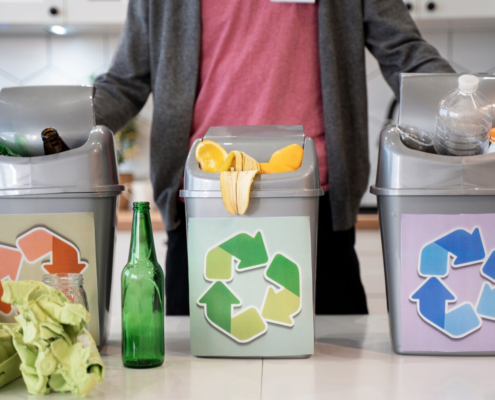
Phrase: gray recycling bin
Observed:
(251, 277)
(437, 221)
(57, 212)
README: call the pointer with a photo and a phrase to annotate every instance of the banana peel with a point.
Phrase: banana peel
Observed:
(236, 178)
(228, 186)
(244, 181)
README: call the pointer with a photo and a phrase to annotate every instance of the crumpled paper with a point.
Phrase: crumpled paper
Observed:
(9, 359)
(56, 350)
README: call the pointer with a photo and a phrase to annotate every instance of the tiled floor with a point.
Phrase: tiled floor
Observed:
(368, 247)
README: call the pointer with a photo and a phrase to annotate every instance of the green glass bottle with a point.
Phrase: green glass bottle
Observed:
(143, 342)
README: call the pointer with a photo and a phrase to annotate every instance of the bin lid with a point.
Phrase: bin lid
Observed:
(406, 172)
(260, 142)
(26, 110)
(91, 168)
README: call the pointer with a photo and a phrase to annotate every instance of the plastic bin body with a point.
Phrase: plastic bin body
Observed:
(80, 181)
(437, 217)
(288, 199)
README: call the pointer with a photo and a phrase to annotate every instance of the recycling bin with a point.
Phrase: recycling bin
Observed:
(58, 212)
(437, 221)
(251, 277)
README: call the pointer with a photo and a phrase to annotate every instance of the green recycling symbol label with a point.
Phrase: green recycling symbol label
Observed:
(281, 303)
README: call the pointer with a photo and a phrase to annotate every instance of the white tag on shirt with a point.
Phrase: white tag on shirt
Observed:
(293, 1)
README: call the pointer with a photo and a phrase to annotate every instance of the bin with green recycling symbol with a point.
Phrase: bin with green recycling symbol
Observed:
(251, 277)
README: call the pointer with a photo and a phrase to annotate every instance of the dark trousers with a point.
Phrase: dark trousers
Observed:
(338, 284)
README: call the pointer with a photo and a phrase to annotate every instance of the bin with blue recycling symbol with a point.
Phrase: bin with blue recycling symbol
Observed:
(251, 277)
(437, 220)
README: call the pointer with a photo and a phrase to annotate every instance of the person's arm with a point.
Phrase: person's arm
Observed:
(393, 38)
(122, 92)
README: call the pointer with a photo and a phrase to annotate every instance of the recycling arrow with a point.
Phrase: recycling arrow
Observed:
(280, 304)
(219, 302)
(467, 248)
(250, 251)
(279, 307)
(486, 302)
(432, 298)
(488, 268)
(10, 265)
(40, 242)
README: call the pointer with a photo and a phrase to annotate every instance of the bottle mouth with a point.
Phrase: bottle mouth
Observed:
(49, 134)
(141, 206)
(63, 279)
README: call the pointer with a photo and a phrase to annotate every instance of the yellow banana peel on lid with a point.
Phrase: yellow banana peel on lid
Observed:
(238, 170)
(55, 349)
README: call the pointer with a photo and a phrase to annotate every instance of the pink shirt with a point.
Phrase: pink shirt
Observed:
(260, 66)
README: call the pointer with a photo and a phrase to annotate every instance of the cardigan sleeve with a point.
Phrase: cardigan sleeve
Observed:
(393, 38)
(122, 92)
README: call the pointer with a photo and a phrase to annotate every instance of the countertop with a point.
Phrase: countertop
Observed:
(353, 360)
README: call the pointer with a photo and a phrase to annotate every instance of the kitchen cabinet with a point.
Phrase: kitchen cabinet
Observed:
(88, 12)
(456, 9)
(22, 12)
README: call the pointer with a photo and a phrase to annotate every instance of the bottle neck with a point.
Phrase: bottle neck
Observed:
(142, 244)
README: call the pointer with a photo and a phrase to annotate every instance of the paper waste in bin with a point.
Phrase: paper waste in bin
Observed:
(437, 220)
(251, 277)
(57, 212)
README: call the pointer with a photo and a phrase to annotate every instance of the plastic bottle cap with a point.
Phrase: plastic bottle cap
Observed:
(468, 83)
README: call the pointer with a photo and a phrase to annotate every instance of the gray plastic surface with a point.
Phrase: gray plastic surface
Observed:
(304, 182)
(84, 179)
(91, 168)
(414, 182)
(407, 172)
(288, 194)
(26, 110)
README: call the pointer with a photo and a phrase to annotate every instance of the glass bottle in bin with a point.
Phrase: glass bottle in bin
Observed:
(52, 142)
(143, 340)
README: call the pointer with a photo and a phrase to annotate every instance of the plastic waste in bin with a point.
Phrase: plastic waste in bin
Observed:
(437, 221)
(251, 277)
(57, 212)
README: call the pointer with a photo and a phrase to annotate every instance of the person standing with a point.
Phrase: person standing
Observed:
(258, 62)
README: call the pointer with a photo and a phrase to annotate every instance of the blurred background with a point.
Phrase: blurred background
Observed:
(67, 42)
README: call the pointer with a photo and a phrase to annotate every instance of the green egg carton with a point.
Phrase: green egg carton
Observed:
(9, 359)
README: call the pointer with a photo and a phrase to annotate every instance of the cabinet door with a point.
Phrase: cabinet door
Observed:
(457, 9)
(20, 12)
(96, 11)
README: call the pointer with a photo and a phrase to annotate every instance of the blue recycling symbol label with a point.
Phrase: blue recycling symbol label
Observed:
(433, 296)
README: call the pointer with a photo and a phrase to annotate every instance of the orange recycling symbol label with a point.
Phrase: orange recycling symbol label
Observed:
(32, 247)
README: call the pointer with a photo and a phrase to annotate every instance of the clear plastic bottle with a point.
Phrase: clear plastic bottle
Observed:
(464, 120)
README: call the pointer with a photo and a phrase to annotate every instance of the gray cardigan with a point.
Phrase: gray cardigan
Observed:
(159, 54)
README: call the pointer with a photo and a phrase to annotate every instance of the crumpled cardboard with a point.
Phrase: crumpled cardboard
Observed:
(55, 349)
